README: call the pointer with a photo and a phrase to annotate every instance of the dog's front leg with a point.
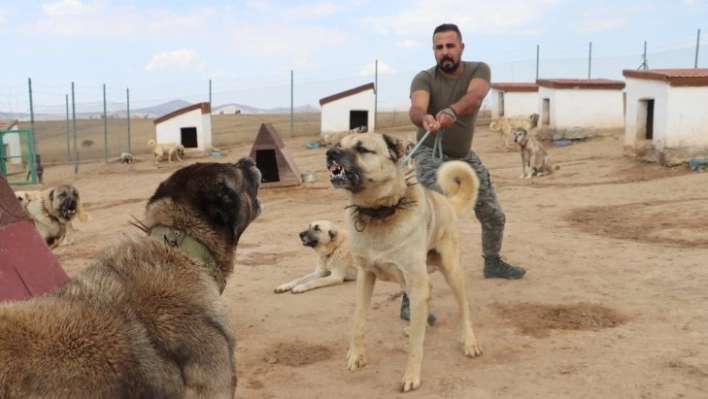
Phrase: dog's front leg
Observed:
(418, 291)
(524, 161)
(299, 281)
(356, 357)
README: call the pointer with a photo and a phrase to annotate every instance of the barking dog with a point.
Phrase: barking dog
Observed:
(534, 158)
(146, 319)
(397, 231)
(334, 261)
(505, 126)
(169, 149)
(53, 210)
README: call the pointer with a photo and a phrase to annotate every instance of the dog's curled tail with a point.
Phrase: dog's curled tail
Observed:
(461, 184)
(494, 126)
(151, 143)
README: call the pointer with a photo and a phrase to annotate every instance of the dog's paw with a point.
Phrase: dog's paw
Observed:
(283, 288)
(522, 176)
(410, 382)
(527, 177)
(356, 358)
(469, 345)
(299, 289)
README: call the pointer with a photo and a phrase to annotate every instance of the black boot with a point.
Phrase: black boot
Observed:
(406, 311)
(496, 267)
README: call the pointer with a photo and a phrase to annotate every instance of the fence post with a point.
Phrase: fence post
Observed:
(698, 45)
(73, 117)
(376, 93)
(105, 127)
(127, 94)
(590, 61)
(31, 104)
(538, 51)
(68, 137)
(292, 105)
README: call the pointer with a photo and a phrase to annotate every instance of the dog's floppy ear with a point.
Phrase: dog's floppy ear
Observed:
(51, 195)
(332, 234)
(395, 147)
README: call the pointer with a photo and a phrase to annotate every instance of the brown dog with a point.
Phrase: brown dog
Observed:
(397, 231)
(159, 150)
(53, 210)
(146, 319)
(334, 261)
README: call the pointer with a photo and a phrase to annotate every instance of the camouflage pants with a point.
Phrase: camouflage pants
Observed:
(488, 210)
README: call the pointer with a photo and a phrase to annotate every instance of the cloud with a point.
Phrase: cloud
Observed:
(97, 18)
(371, 69)
(176, 60)
(410, 43)
(600, 24)
(472, 16)
(691, 2)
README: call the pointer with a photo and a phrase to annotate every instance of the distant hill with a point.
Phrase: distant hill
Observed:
(158, 110)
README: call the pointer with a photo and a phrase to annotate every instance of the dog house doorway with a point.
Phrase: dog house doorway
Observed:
(500, 103)
(188, 137)
(645, 119)
(267, 163)
(358, 118)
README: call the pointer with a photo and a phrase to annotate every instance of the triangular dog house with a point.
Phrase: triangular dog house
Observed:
(27, 265)
(275, 162)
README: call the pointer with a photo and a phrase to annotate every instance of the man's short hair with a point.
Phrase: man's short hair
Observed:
(448, 28)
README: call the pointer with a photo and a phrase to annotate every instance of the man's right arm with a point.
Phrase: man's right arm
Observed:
(419, 111)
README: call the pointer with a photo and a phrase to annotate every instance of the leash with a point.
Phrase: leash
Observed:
(437, 147)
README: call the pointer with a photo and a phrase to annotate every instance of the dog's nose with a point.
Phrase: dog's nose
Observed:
(302, 234)
(334, 152)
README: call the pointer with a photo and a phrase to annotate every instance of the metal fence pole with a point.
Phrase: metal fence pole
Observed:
(68, 137)
(376, 93)
(698, 45)
(73, 117)
(292, 106)
(127, 94)
(105, 127)
(31, 104)
(538, 52)
(590, 61)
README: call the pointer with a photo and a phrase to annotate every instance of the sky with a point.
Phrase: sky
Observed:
(271, 53)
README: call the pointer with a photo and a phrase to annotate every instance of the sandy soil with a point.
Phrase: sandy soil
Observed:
(616, 253)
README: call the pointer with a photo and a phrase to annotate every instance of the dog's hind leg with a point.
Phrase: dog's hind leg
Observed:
(356, 356)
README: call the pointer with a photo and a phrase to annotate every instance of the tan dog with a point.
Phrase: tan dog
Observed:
(146, 319)
(534, 158)
(162, 149)
(53, 210)
(334, 261)
(396, 231)
(505, 126)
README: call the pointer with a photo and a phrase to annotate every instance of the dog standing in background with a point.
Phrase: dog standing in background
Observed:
(162, 149)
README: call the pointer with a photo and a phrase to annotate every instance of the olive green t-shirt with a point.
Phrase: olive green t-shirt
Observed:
(445, 91)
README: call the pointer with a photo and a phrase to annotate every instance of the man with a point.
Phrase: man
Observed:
(445, 100)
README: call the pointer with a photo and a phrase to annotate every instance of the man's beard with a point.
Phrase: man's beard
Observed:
(448, 67)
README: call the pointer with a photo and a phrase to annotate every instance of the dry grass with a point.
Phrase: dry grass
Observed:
(55, 139)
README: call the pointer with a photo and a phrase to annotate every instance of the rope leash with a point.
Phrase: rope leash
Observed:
(437, 147)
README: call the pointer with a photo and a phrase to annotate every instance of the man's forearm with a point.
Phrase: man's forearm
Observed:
(417, 114)
(467, 105)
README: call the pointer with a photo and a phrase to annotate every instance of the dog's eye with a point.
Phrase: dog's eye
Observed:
(362, 150)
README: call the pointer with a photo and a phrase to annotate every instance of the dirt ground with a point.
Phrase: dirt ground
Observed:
(617, 260)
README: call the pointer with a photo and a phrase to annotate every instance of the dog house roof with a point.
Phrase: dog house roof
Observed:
(595, 84)
(515, 86)
(205, 107)
(347, 93)
(674, 77)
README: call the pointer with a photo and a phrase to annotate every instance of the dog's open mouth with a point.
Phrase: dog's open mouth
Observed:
(68, 212)
(336, 171)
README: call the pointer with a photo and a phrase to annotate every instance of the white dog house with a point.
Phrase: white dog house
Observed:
(190, 126)
(512, 99)
(349, 109)
(580, 108)
(666, 120)
(11, 147)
